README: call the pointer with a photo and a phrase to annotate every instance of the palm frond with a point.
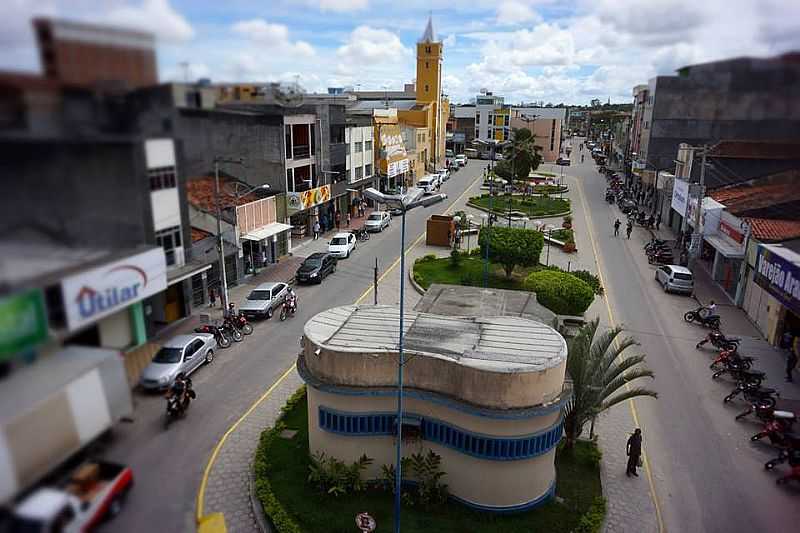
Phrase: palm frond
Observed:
(627, 395)
(627, 377)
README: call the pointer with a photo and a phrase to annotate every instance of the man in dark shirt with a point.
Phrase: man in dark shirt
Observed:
(634, 451)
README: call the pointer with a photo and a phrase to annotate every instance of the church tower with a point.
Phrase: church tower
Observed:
(429, 88)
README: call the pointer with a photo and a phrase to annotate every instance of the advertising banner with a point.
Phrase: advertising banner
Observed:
(102, 291)
(23, 322)
(299, 201)
(778, 272)
(680, 196)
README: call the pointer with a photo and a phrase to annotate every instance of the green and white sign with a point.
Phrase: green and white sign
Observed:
(23, 322)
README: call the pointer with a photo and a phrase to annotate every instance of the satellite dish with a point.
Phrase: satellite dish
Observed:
(287, 94)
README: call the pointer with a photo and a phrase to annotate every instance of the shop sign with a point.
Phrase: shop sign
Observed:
(102, 291)
(459, 137)
(731, 232)
(23, 322)
(397, 167)
(299, 201)
(680, 196)
(779, 276)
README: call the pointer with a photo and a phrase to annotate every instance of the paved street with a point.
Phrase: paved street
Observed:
(706, 473)
(168, 465)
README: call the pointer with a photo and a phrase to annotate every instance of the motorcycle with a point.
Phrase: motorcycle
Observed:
(232, 330)
(656, 244)
(178, 403)
(663, 257)
(220, 334)
(739, 368)
(289, 308)
(704, 319)
(241, 323)
(362, 234)
(777, 428)
(790, 452)
(720, 341)
(753, 393)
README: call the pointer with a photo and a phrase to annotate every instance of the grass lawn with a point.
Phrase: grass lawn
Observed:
(548, 189)
(548, 174)
(469, 272)
(531, 206)
(578, 483)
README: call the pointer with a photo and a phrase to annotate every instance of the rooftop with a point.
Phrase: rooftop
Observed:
(740, 199)
(771, 230)
(502, 344)
(756, 150)
(201, 193)
(458, 300)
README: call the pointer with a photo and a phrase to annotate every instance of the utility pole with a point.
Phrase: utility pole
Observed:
(220, 245)
(695, 246)
(375, 282)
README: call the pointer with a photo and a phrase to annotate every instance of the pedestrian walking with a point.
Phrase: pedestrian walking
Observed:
(316, 230)
(617, 224)
(581, 158)
(212, 297)
(791, 360)
(348, 219)
(338, 220)
(658, 221)
(634, 451)
(629, 229)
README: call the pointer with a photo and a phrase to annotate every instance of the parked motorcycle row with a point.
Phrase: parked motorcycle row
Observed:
(776, 416)
(231, 328)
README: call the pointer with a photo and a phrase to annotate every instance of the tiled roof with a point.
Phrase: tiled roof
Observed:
(200, 192)
(756, 150)
(765, 229)
(199, 234)
(744, 198)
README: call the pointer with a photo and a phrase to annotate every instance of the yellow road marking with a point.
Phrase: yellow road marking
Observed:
(631, 403)
(211, 460)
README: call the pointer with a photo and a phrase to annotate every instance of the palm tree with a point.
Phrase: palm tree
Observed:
(600, 374)
(523, 154)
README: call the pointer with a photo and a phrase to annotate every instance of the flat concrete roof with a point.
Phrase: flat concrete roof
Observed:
(499, 343)
(460, 300)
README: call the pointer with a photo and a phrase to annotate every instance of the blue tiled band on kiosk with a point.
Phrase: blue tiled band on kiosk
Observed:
(464, 441)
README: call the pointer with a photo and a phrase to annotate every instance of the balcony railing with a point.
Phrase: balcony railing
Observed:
(301, 151)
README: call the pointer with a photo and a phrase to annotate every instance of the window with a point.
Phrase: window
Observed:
(552, 135)
(288, 130)
(359, 173)
(368, 170)
(358, 147)
(426, 88)
(169, 239)
(162, 178)
(337, 134)
(367, 146)
(427, 49)
(426, 64)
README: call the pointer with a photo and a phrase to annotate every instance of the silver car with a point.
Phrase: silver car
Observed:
(182, 353)
(378, 221)
(264, 299)
(675, 278)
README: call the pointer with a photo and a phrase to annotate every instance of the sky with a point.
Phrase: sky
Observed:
(526, 50)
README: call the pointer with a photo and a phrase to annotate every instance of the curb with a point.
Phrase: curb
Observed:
(479, 208)
(417, 286)
(258, 511)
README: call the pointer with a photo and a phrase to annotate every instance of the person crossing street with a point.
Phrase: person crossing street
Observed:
(629, 229)
(617, 224)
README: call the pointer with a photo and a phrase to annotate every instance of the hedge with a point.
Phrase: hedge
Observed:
(562, 293)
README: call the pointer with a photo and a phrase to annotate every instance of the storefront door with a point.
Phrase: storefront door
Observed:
(173, 308)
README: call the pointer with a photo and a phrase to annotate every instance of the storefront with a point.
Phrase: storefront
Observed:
(308, 207)
(394, 167)
(680, 202)
(263, 239)
(777, 273)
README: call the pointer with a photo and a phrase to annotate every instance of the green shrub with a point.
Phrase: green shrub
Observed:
(512, 247)
(419, 279)
(591, 279)
(562, 293)
(592, 520)
(455, 259)
(475, 252)
(427, 258)
(332, 476)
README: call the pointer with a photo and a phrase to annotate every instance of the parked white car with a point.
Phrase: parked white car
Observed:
(378, 221)
(675, 278)
(443, 174)
(461, 159)
(264, 299)
(427, 184)
(342, 245)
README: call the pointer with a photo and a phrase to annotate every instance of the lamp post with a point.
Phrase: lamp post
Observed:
(399, 202)
(469, 230)
(220, 245)
(457, 220)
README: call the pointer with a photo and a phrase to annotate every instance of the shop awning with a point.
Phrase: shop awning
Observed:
(174, 275)
(728, 250)
(266, 231)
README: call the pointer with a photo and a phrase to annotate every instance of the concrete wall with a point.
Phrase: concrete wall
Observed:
(443, 375)
(479, 481)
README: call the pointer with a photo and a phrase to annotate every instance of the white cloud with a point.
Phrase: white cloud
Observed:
(154, 16)
(514, 12)
(449, 41)
(371, 46)
(274, 36)
(343, 5)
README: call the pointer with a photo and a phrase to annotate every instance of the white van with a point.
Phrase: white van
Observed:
(427, 184)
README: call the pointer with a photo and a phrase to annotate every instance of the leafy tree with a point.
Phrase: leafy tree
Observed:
(511, 247)
(522, 154)
(561, 292)
(600, 374)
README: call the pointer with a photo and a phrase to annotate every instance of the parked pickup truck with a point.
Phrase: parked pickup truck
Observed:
(94, 492)
(50, 412)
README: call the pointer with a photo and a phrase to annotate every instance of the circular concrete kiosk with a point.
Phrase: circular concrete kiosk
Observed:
(485, 393)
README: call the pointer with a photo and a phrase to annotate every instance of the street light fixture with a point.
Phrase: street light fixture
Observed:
(401, 202)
